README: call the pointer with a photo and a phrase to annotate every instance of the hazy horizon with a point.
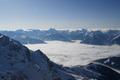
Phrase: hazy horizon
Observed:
(59, 28)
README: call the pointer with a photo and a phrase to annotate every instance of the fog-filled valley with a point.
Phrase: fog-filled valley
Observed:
(60, 55)
(75, 53)
(70, 47)
(59, 39)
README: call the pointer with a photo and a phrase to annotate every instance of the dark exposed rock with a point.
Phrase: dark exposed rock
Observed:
(113, 62)
(106, 72)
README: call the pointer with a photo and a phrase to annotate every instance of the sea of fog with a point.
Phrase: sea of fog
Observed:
(74, 53)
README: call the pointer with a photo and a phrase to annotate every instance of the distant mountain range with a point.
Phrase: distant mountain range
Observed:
(97, 37)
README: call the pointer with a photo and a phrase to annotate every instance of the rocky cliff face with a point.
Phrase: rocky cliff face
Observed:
(19, 63)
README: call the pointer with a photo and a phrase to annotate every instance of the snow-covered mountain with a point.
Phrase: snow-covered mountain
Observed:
(102, 38)
(17, 62)
(97, 37)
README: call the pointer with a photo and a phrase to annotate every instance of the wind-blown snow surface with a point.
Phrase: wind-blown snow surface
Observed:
(74, 53)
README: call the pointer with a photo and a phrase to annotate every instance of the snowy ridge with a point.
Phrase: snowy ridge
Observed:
(94, 37)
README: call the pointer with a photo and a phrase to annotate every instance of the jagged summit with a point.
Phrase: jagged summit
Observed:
(20, 62)
(4, 40)
(12, 52)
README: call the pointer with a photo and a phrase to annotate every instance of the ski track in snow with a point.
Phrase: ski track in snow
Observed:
(71, 54)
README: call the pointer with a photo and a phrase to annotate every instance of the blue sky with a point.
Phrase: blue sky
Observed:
(27, 14)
